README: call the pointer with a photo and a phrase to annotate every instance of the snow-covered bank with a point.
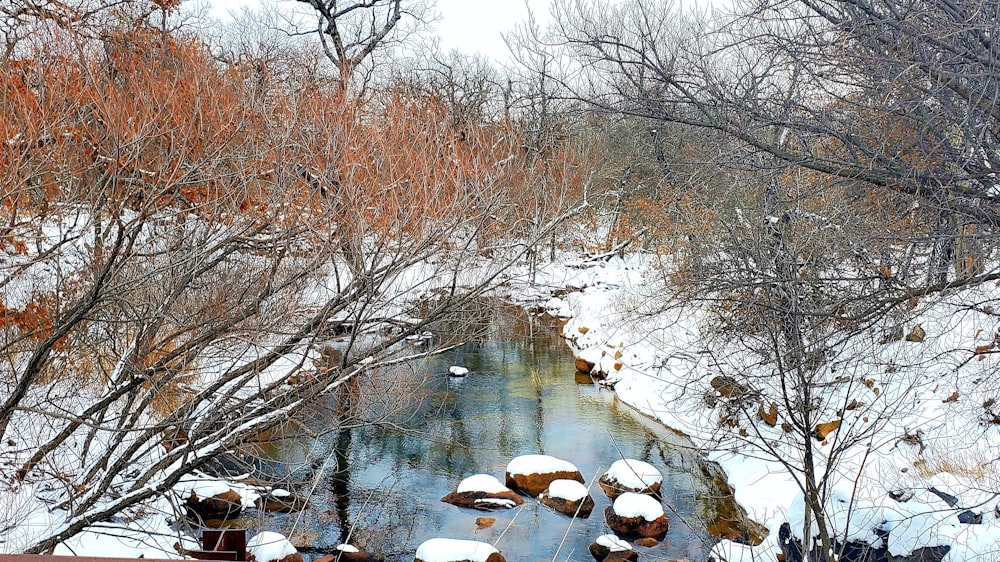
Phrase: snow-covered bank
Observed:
(920, 410)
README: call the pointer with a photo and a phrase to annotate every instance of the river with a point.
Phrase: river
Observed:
(375, 478)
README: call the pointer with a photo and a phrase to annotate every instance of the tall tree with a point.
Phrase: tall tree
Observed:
(859, 142)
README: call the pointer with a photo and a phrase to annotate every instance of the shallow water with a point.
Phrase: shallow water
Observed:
(417, 432)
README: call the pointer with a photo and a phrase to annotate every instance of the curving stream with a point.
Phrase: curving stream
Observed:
(376, 477)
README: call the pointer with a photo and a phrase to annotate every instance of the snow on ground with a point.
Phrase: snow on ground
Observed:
(631, 504)
(539, 464)
(927, 413)
(482, 483)
(154, 540)
(454, 550)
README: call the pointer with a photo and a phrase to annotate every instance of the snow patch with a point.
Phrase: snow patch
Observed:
(453, 550)
(267, 546)
(539, 464)
(481, 483)
(569, 490)
(631, 473)
(631, 504)
(613, 543)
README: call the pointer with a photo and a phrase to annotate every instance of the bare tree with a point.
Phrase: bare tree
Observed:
(352, 32)
(182, 240)
(858, 142)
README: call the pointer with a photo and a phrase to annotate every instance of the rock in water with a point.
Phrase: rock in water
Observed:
(482, 491)
(568, 497)
(453, 550)
(532, 474)
(610, 548)
(637, 515)
(630, 475)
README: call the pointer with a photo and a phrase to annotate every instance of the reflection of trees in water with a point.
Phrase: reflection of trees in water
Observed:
(404, 437)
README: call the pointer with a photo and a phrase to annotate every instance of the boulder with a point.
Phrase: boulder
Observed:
(612, 549)
(482, 491)
(568, 497)
(532, 474)
(583, 366)
(222, 505)
(637, 515)
(268, 546)
(630, 475)
(453, 550)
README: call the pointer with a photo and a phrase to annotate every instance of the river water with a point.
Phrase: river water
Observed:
(375, 477)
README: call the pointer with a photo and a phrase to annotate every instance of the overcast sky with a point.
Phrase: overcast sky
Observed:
(467, 25)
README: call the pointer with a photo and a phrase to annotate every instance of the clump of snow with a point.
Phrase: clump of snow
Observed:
(453, 550)
(457, 371)
(347, 548)
(201, 486)
(631, 504)
(267, 546)
(482, 483)
(631, 473)
(280, 493)
(613, 543)
(569, 490)
(539, 464)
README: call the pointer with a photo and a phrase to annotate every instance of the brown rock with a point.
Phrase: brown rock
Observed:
(534, 484)
(583, 329)
(583, 366)
(823, 429)
(632, 527)
(481, 500)
(612, 488)
(770, 417)
(484, 522)
(602, 553)
(647, 542)
(566, 507)
(226, 505)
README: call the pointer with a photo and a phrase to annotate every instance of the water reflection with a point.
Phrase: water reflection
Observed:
(376, 477)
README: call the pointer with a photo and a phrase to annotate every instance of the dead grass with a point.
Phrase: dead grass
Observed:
(970, 466)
